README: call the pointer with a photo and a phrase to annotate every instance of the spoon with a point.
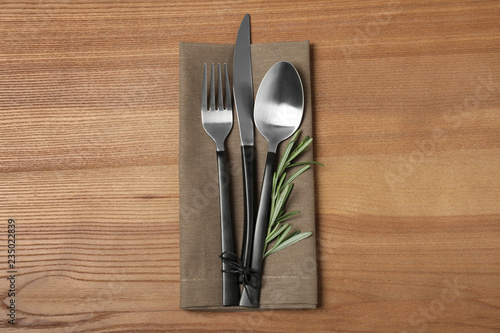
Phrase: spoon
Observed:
(278, 110)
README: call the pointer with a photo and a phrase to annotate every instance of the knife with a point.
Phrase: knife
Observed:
(243, 100)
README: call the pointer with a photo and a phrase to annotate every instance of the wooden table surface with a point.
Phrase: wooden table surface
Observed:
(406, 98)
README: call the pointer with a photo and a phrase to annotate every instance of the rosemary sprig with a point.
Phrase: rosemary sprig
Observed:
(282, 186)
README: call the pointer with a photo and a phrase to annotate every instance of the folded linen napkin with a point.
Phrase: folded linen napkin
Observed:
(289, 278)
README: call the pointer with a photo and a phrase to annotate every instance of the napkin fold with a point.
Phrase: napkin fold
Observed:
(289, 277)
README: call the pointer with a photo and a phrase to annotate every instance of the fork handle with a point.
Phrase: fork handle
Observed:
(230, 285)
(248, 162)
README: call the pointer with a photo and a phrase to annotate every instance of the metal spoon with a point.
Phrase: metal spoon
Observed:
(279, 106)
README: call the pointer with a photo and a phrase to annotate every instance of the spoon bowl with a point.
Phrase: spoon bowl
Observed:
(279, 104)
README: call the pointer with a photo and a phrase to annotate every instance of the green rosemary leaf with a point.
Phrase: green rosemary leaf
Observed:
(296, 174)
(296, 232)
(276, 233)
(299, 149)
(275, 224)
(281, 238)
(272, 228)
(273, 194)
(280, 184)
(286, 216)
(280, 202)
(275, 180)
(284, 158)
(291, 240)
(302, 163)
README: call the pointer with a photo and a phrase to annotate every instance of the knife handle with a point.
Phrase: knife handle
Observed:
(248, 162)
(251, 292)
(230, 284)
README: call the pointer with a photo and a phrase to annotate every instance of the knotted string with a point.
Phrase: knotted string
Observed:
(249, 276)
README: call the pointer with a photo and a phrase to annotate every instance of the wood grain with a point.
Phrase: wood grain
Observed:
(407, 122)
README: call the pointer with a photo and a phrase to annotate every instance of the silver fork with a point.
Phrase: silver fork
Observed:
(218, 123)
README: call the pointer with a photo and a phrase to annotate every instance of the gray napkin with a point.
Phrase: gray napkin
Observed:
(289, 278)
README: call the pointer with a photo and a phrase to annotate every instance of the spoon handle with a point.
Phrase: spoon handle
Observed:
(251, 291)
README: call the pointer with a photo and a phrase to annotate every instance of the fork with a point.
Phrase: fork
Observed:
(218, 123)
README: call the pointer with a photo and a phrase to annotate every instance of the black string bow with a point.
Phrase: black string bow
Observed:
(248, 276)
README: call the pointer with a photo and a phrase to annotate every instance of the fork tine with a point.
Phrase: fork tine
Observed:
(229, 105)
(212, 90)
(204, 89)
(220, 103)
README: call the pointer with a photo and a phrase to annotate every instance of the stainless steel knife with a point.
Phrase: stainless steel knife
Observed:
(243, 99)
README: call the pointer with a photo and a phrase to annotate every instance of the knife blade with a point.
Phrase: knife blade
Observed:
(242, 82)
(243, 100)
